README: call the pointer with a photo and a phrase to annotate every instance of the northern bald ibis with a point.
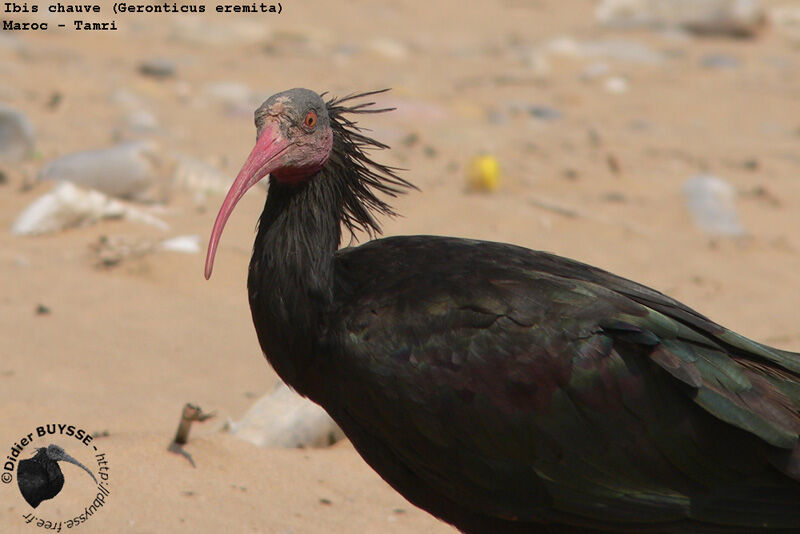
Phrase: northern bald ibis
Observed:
(40, 478)
(499, 388)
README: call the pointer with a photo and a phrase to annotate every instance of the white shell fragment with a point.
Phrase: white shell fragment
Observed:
(283, 418)
(728, 17)
(126, 170)
(712, 203)
(187, 244)
(67, 206)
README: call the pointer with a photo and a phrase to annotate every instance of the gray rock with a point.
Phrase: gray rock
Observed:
(712, 203)
(17, 135)
(126, 170)
(545, 113)
(738, 18)
(719, 61)
(283, 418)
(158, 68)
(619, 49)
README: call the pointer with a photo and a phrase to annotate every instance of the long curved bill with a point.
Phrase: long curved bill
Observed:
(261, 161)
(57, 453)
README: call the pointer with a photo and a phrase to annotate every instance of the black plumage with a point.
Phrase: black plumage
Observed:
(503, 389)
(40, 478)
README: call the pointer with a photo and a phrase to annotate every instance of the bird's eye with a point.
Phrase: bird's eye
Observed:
(311, 119)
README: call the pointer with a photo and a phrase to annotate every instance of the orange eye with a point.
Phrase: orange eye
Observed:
(311, 119)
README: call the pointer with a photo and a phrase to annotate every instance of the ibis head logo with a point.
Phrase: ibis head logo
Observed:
(40, 477)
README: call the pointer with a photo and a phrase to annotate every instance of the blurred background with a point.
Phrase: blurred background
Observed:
(658, 139)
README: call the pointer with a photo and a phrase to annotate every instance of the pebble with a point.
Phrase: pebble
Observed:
(126, 170)
(712, 203)
(282, 418)
(17, 135)
(619, 49)
(112, 251)
(596, 69)
(616, 85)
(388, 49)
(187, 244)
(720, 61)
(158, 68)
(736, 18)
(622, 50)
(786, 19)
(141, 121)
(545, 113)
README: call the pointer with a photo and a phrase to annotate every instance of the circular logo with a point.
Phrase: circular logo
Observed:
(50, 461)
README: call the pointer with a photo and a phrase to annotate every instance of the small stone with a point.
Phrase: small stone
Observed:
(55, 100)
(719, 61)
(16, 135)
(736, 18)
(158, 68)
(595, 70)
(283, 418)
(187, 244)
(622, 50)
(750, 164)
(41, 309)
(430, 151)
(613, 164)
(388, 48)
(763, 194)
(712, 203)
(410, 140)
(615, 197)
(545, 113)
(616, 85)
(141, 121)
(110, 252)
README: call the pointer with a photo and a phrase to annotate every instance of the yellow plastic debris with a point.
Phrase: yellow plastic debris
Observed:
(483, 173)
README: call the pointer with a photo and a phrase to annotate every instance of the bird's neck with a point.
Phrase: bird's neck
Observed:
(290, 281)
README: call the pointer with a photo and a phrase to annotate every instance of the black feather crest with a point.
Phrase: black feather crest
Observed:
(357, 175)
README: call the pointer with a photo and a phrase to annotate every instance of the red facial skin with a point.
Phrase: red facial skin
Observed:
(287, 161)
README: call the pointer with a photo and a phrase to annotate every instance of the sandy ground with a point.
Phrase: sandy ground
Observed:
(122, 349)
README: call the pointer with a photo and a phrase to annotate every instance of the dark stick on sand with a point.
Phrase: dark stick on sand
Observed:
(190, 414)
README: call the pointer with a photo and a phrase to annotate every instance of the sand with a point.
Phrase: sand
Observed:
(123, 348)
